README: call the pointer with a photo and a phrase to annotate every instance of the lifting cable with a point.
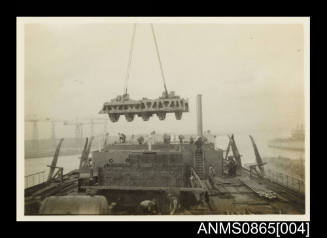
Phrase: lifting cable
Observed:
(157, 49)
(130, 59)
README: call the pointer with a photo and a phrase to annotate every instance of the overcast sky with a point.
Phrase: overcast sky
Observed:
(251, 76)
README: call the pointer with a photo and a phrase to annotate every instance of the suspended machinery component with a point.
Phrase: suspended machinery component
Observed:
(129, 117)
(161, 115)
(145, 108)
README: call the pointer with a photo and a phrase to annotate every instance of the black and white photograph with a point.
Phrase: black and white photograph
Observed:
(159, 118)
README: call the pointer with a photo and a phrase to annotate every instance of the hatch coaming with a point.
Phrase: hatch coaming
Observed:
(145, 169)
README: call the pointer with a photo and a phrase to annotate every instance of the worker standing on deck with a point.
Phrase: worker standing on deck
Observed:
(90, 163)
(215, 142)
(150, 140)
(122, 137)
(192, 181)
(149, 207)
(140, 140)
(91, 166)
(166, 138)
(153, 137)
(198, 142)
(181, 138)
(231, 166)
(212, 171)
(173, 204)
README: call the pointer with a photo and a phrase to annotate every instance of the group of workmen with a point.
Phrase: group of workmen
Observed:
(166, 138)
(231, 166)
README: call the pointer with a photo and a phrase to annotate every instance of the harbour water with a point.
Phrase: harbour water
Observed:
(37, 165)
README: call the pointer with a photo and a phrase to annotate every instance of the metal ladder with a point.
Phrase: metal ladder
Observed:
(199, 163)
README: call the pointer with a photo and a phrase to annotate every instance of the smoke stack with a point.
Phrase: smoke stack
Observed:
(199, 115)
(150, 138)
(149, 146)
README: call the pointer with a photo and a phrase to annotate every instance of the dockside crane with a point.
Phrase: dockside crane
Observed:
(78, 128)
(35, 132)
(79, 125)
(53, 126)
(98, 121)
(35, 121)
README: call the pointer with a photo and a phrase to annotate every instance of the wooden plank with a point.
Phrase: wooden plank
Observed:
(259, 189)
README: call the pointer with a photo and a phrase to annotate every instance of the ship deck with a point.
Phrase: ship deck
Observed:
(241, 195)
(226, 196)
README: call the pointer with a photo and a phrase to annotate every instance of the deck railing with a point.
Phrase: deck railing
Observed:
(290, 182)
(34, 179)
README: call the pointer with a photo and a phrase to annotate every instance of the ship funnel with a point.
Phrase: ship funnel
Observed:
(199, 115)
(150, 141)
